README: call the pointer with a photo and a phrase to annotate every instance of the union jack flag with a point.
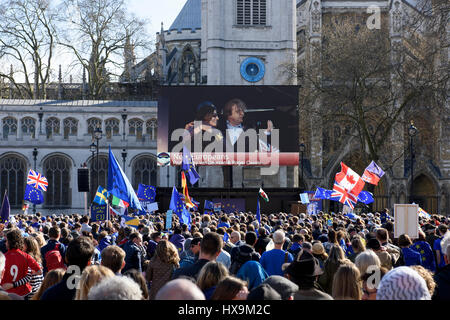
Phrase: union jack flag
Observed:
(343, 196)
(37, 180)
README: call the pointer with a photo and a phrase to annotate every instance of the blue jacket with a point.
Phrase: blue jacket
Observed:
(411, 257)
(178, 240)
(49, 247)
(133, 257)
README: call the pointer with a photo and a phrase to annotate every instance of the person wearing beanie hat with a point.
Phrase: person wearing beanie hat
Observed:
(403, 283)
(285, 287)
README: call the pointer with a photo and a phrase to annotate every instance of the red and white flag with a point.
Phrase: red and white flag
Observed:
(349, 180)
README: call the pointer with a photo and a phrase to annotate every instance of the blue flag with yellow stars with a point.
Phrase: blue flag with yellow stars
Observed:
(33, 195)
(147, 193)
(188, 166)
(177, 206)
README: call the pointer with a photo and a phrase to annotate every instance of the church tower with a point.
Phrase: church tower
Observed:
(248, 42)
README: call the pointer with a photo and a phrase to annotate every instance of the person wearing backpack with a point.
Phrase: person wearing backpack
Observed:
(53, 253)
(273, 260)
(243, 253)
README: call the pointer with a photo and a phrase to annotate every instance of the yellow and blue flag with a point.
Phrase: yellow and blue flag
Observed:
(129, 221)
(177, 206)
(101, 196)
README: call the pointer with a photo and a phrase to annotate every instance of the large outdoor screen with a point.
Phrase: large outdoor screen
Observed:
(229, 125)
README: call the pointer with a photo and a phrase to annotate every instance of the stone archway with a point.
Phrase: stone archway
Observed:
(425, 193)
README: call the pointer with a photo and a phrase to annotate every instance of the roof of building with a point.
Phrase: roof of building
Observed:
(190, 17)
(76, 103)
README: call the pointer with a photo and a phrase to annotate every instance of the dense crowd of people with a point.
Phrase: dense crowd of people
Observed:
(220, 256)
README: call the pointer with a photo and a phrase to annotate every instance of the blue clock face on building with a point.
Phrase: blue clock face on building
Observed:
(252, 69)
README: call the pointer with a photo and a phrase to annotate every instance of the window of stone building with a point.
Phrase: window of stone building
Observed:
(28, 125)
(9, 127)
(52, 127)
(70, 127)
(92, 124)
(112, 127)
(135, 128)
(57, 170)
(12, 178)
(99, 174)
(251, 12)
(152, 128)
(144, 171)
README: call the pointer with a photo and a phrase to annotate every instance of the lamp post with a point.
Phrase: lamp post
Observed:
(35, 153)
(40, 115)
(124, 118)
(412, 131)
(302, 149)
(97, 135)
(124, 157)
(92, 148)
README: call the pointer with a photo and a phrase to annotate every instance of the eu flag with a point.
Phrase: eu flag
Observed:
(33, 195)
(119, 185)
(209, 205)
(177, 206)
(322, 193)
(365, 197)
(258, 212)
(147, 193)
(188, 166)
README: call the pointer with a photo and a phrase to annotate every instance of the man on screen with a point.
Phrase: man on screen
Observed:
(234, 112)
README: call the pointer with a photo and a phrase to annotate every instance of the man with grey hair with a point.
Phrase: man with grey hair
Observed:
(235, 238)
(12, 296)
(273, 260)
(116, 288)
(180, 289)
(442, 278)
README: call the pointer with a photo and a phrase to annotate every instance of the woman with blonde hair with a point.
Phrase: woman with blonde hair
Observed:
(161, 266)
(91, 276)
(231, 288)
(347, 283)
(366, 259)
(358, 246)
(209, 277)
(51, 278)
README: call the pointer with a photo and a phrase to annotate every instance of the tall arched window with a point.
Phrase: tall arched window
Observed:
(13, 170)
(135, 128)
(9, 127)
(52, 126)
(112, 127)
(70, 127)
(187, 67)
(152, 128)
(144, 171)
(57, 171)
(28, 125)
(99, 174)
(92, 124)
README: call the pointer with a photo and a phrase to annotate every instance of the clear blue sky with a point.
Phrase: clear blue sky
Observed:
(156, 11)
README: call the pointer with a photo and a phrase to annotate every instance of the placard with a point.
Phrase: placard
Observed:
(99, 212)
(406, 220)
(169, 219)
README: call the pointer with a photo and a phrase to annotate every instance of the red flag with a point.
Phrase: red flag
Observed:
(349, 180)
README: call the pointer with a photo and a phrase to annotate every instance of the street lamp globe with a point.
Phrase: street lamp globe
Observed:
(412, 130)
(302, 147)
(92, 147)
(98, 133)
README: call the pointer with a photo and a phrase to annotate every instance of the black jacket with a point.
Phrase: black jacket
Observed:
(261, 244)
(61, 290)
(442, 279)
